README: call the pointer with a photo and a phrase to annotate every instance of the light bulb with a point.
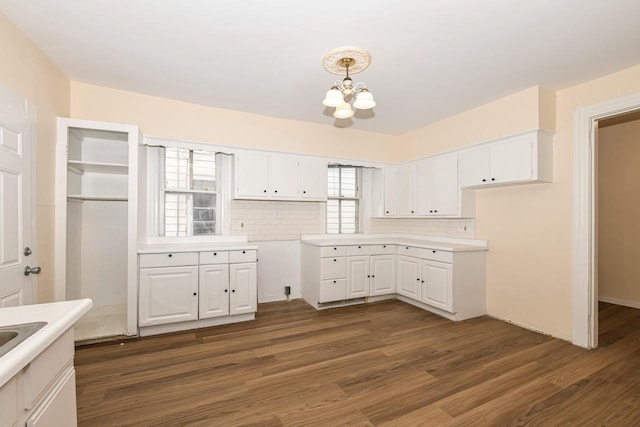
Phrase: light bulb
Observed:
(343, 111)
(364, 100)
(333, 98)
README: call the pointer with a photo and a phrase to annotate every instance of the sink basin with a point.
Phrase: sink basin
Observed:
(12, 335)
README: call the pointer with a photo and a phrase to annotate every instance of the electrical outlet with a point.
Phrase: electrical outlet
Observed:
(287, 290)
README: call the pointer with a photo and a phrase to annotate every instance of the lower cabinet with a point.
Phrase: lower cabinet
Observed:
(358, 276)
(383, 275)
(218, 284)
(436, 284)
(408, 277)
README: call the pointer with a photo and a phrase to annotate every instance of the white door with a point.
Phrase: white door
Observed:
(252, 174)
(407, 190)
(15, 202)
(313, 178)
(168, 295)
(390, 191)
(425, 176)
(357, 276)
(214, 291)
(408, 277)
(383, 274)
(437, 286)
(284, 176)
(444, 187)
(475, 166)
(244, 288)
(511, 161)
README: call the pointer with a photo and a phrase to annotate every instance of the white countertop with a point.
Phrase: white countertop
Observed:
(195, 247)
(59, 316)
(439, 243)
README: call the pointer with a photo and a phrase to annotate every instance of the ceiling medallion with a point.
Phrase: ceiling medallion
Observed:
(346, 61)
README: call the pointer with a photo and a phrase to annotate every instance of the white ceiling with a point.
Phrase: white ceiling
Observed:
(430, 58)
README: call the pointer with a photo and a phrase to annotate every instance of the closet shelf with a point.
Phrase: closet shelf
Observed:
(80, 167)
(82, 198)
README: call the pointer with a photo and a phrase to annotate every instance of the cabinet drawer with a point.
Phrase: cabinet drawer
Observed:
(410, 251)
(333, 268)
(357, 250)
(334, 251)
(168, 259)
(437, 255)
(333, 290)
(382, 249)
(245, 255)
(40, 373)
(214, 257)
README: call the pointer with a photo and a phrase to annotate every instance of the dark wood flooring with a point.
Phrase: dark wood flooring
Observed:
(383, 364)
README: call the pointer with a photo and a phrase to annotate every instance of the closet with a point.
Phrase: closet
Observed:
(97, 223)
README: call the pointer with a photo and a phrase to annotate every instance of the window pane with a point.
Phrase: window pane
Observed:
(204, 214)
(333, 216)
(348, 182)
(175, 214)
(349, 216)
(176, 168)
(333, 184)
(204, 171)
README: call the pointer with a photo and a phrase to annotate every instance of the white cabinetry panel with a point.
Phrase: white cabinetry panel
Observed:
(284, 176)
(383, 275)
(357, 276)
(244, 290)
(168, 295)
(252, 174)
(437, 284)
(214, 291)
(406, 190)
(313, 178)
(390, 191)
(408, 277)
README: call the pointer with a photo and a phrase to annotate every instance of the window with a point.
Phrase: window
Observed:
(189, 193)
(343, 210)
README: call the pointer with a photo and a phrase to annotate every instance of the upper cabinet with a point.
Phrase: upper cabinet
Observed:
(406, 189)
(273, 176)
(390, 177)
(522, 158)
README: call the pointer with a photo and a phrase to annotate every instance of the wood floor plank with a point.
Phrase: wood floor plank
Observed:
(381, 364)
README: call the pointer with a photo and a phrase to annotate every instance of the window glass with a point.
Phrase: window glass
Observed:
(343, 199)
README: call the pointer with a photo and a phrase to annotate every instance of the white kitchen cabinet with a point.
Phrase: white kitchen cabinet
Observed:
(408, 276)
(274, 176)
(437, 284)
(390, 176)
(244, 290)
(358, 276)
(59, 407)
(214, 290)
(313, 178)
(518, 159)
(383, 275)
(168, 295)
(406, 189)
(437, 190)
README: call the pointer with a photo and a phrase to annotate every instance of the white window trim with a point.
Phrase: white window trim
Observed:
(358, 198)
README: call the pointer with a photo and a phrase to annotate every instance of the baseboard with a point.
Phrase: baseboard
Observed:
(616, 301)
(529, 327)
(274, 298)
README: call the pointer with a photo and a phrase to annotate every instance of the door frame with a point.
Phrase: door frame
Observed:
(585, 298)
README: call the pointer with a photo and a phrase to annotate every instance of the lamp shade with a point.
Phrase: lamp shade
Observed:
(364, 100)
(333, 98)
(343, 111)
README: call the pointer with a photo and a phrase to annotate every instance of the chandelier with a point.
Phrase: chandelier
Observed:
(346, 61)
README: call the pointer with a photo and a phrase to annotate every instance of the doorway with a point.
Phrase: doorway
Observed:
(585, 238)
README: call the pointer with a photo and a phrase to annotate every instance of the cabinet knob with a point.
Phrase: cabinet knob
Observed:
(359, 247)
(233, 290)
(373, 275)
(334, 260)
(304, 191)
(433, 252)
(195, 293)
(411, 211)
(418, 279)
(406, 247)
(384, 246)
(430, 211)
(387, 211)
(422, 281)
(275, 191)
(264, 191)
(484, 180)
(493, 179)
(226, 290)
(244, 252)
(170, 255)
(335, 249)
(215, 253)
(368, 276)
(435, 211)
(334, 281)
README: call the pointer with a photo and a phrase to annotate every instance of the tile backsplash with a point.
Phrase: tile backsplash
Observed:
(461, 228)
(272, 221)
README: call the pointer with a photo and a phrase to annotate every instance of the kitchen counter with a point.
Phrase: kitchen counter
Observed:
(60, 316)
(439, 243)
(195, 247)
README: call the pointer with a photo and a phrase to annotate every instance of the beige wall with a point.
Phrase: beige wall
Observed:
(619, 212)
(25, 70)
(167, 118)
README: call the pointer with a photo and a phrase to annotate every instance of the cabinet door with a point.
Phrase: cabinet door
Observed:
(214, 291)
(437, 286)
(383, 274)
(390, 191)
(284, 176)
(511, 161)
(313, 178)
(252, 174)
(475, 165)
(244, 288)
(425, 176)
(408, 277)
(406, 190)
(444, 185)
(168, 295)
(59, 406)
(357, 276)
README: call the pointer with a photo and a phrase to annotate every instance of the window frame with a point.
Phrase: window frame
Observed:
(357, 198)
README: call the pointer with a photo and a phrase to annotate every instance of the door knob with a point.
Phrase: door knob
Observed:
(32, 270)
(27, 251)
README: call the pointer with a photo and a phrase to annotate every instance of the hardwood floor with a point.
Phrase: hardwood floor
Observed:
(383, 364)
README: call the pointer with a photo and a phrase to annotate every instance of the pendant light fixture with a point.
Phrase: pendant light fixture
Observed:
(347, 61)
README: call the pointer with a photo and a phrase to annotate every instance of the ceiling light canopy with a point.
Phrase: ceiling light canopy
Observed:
(346, 61)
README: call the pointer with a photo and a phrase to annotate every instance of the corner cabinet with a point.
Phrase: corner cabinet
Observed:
(520, 159)
(186, 290)
(273, 176)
